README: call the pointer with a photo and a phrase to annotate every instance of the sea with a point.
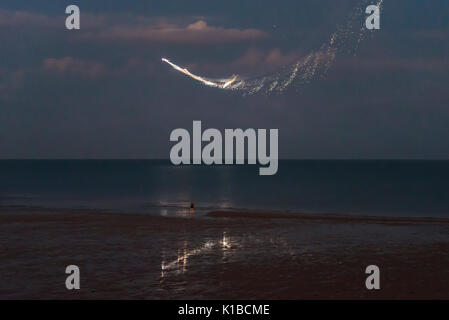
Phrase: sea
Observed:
(392, 188)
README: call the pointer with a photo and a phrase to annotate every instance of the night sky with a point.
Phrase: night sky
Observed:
(103, 92)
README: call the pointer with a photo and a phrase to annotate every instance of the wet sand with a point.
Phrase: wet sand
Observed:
(226, 255)
(324, 217)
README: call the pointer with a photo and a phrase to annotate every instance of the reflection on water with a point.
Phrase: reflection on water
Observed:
(180, 265)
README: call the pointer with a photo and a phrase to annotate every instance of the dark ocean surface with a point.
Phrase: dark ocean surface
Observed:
(379, 188)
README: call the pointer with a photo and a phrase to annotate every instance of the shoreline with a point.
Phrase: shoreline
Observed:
(241, 214)
(332, 217)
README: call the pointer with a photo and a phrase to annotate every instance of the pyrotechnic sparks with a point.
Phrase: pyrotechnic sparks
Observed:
(218, 83)
(315, 65)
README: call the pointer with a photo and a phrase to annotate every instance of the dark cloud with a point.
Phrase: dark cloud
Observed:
(23, 18)
(196, 33)
(69, 65)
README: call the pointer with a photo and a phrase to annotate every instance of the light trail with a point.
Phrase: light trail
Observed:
(218, 83)
(313, 66)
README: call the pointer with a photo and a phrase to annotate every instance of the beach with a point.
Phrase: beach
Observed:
(222, 255)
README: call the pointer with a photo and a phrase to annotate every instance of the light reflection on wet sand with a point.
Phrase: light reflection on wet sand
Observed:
(181, 263)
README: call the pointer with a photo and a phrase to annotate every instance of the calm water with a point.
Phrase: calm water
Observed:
(390, 188)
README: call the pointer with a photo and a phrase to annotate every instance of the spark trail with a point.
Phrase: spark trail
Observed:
(346, 39)
(218, 83)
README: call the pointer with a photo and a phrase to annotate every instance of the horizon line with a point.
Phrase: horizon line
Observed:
(280, 159)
